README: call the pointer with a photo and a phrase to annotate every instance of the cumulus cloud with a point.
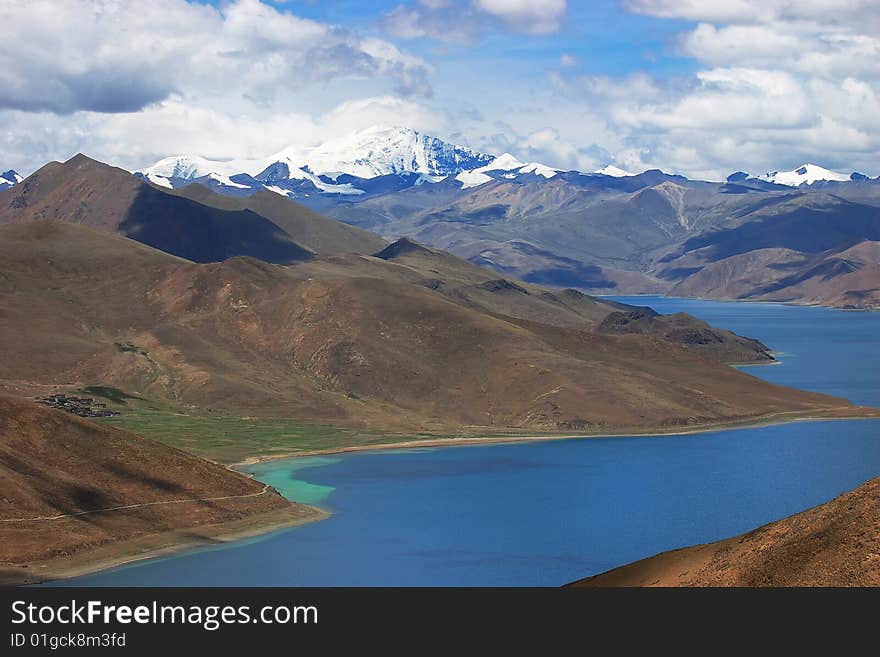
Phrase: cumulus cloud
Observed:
(729, 98)
(809, 50)
(780, 83)
(383, 110)
(759, 11)
(173, 126)
(106, 56)
(545, 145)
(775, 83)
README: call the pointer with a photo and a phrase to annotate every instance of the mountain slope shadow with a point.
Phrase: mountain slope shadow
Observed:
(808, 230)
(204, 234)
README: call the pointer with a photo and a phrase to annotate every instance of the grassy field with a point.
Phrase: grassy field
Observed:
(228, 438)
(231, 439)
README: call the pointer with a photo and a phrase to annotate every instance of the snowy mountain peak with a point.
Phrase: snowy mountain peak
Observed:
(382, 150)
(9, 178)
(506, 163)
(190, 167)
(613, 171)
(805, 174)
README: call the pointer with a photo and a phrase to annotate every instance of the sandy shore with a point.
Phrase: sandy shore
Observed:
(840, 413)
(157, 545)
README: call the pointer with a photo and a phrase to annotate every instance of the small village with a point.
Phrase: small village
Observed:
(82, 406)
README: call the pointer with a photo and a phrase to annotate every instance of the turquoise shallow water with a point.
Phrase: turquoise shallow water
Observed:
(546, 513)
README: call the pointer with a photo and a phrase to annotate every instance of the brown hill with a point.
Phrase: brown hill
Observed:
(847, 278)
(466, 282)
(689, 332)
(834, 544)
(94, 194)
(55, 464)
(353, 340)
(306, 227)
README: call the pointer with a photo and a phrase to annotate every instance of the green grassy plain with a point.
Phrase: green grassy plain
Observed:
(230, 438)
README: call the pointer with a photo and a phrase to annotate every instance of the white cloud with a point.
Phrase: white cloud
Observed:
(810, 50)
(383, 110)
(635, 87)
(780, 83)
(534, 16)
(463, 22)
(442, 21)
(777, 83)
(758, 120)
(106, 56)
(759, 11)
(729, 98)
(171, 127)
(545, 145)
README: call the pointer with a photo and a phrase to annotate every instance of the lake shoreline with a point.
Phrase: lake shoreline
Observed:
(183, 540)
(745, 479)
(783, 417)
(164, 544)
(792, 304)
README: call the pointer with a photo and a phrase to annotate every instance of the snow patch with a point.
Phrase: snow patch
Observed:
(539, 170)
(614, 172)
(278, 190)
(504, 162)
(803, 175)
(9, 179)
(190, 167)
(161, 181)
(472, 179)
(226, 180)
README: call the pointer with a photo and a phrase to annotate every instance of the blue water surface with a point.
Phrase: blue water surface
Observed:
(546, 513)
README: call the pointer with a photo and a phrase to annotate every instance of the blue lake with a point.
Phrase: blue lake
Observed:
(546, 513)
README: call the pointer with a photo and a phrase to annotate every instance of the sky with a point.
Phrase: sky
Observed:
(697, 87)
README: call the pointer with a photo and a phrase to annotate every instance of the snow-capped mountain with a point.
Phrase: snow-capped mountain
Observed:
(386, 159)
(183, 169)
(613, 171)
(287, 177)
(383, 150)
(507, 166)
(9, 178)
(803, 175)
(338, 166)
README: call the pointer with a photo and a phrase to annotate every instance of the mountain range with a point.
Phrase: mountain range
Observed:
(807, 235)
(109, 280)
(206, 307)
